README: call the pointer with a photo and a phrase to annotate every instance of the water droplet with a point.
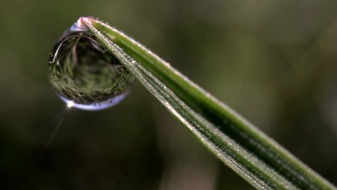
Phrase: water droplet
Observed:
(84, 73)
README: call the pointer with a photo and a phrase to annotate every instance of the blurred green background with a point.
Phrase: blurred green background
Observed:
(274, 61)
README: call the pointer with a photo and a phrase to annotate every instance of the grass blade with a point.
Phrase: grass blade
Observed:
(236, 142)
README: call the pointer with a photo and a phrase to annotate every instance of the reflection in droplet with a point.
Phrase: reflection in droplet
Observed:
(84, 73)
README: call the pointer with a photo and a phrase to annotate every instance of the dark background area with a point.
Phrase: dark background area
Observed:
(275, 62)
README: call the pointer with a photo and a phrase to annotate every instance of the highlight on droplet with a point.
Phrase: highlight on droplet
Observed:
(70, 104)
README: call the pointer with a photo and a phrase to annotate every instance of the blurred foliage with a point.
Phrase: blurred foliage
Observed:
(273, 61)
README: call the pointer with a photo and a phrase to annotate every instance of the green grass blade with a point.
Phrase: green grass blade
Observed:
(236, 142)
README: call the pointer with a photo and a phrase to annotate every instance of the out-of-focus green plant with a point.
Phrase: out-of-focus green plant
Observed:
(235, 141)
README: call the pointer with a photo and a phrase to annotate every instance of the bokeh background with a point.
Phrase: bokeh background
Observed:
(274, 61)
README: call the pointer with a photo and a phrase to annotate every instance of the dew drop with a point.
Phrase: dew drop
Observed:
(84, 74)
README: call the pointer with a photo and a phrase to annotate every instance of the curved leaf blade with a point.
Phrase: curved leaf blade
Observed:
(235, 141)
